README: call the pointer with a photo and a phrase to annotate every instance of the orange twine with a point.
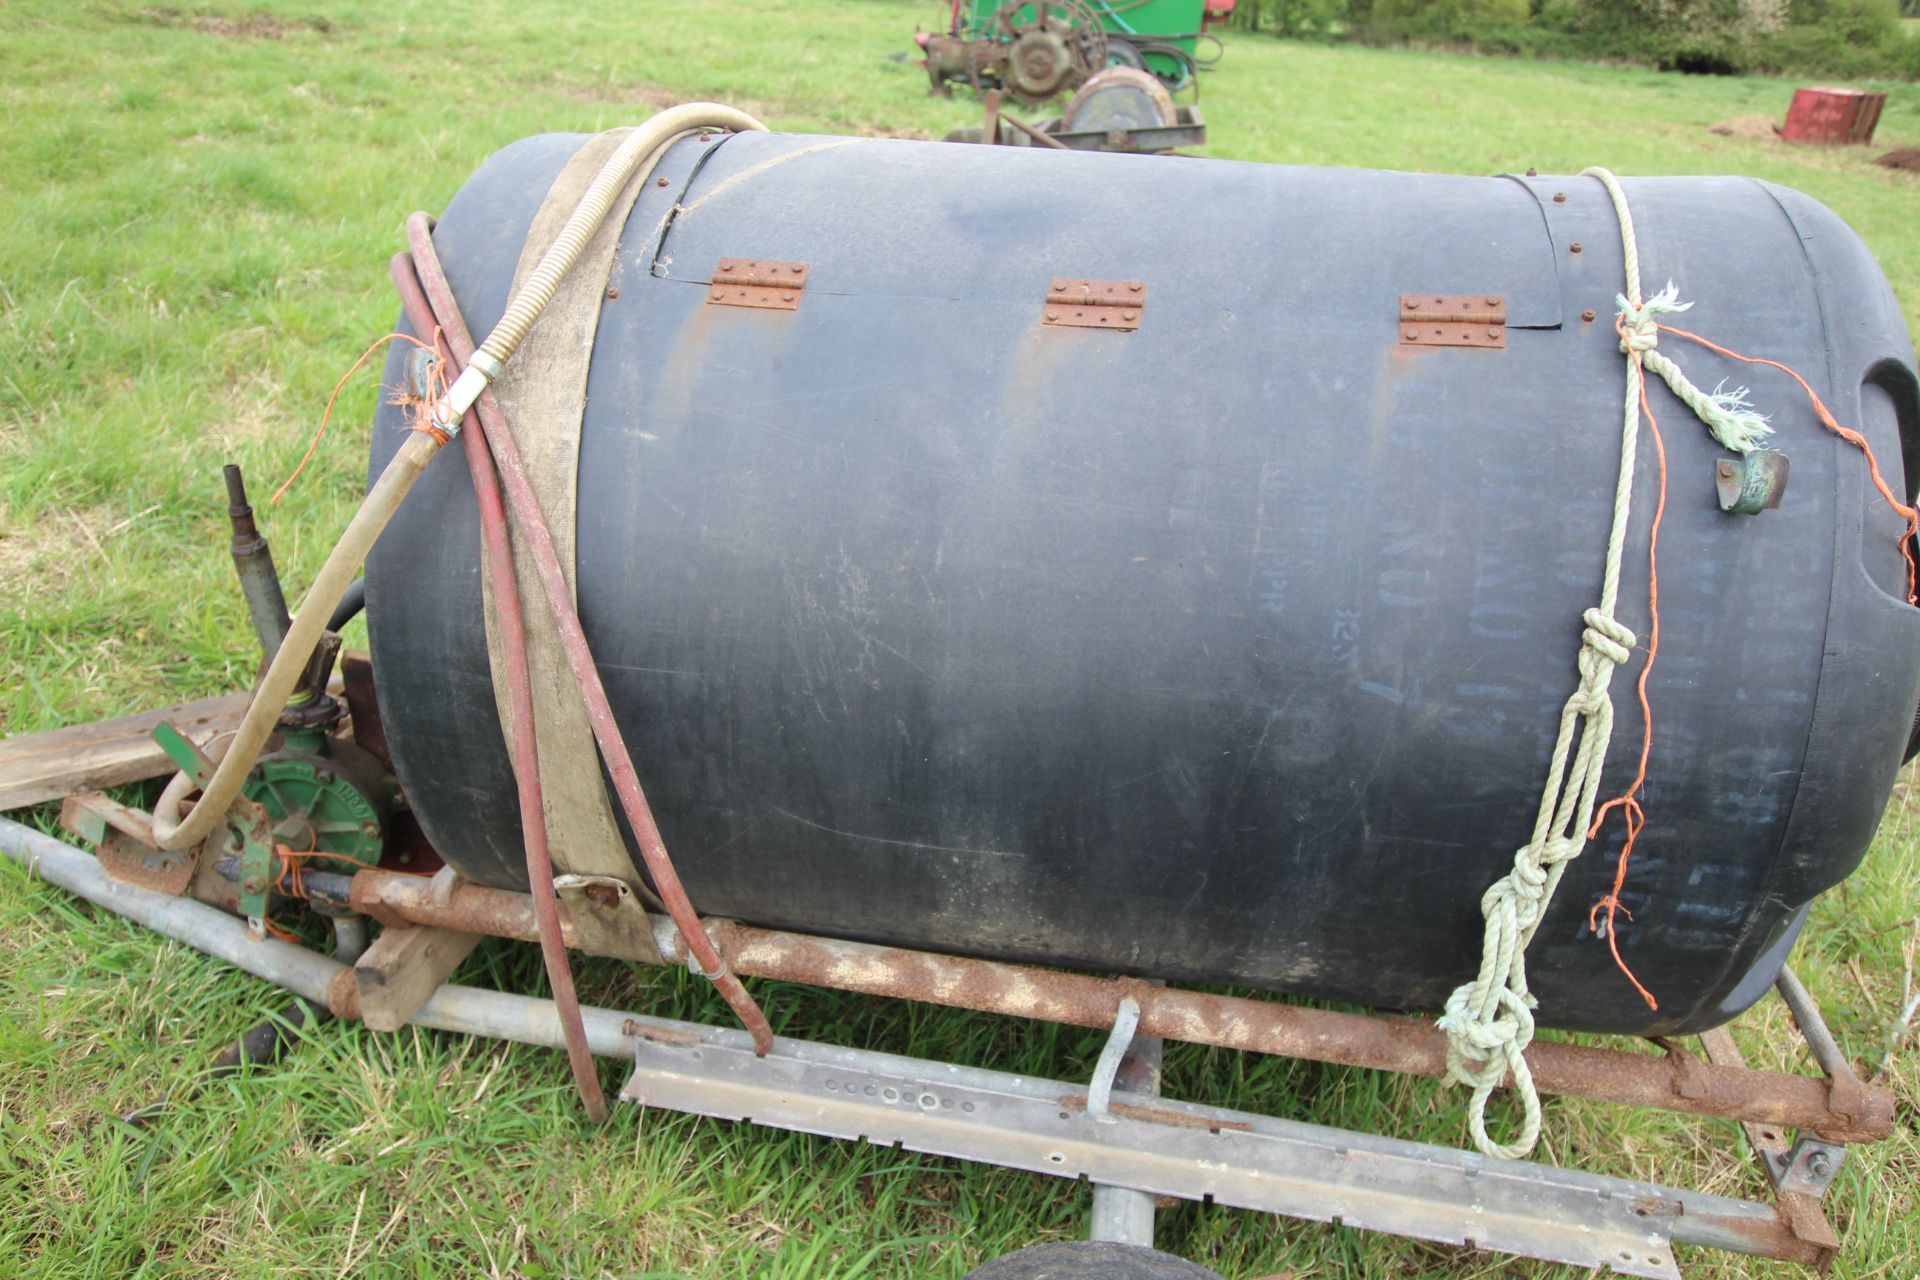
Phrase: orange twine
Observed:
(1628, 801)
(418, 405)
(1848, 434)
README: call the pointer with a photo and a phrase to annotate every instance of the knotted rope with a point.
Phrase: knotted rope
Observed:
(1489, 1021)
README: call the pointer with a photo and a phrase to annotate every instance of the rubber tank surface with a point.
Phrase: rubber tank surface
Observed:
(1230, 649)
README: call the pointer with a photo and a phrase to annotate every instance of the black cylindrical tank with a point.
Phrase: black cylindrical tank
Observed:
(1230, 649)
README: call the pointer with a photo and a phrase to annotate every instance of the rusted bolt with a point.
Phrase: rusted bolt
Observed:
(705, 136)
(369, 828)
(1559, 197)
(603, 894)
(1587, 315)
(254, 884)
(1532, 172)
(1575, 247)
(1724, 467)
(660, 182)
(613, 291)
(1820, 1165)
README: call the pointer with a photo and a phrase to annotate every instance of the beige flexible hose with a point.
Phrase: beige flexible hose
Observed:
(532, 297)
(343, 564)
(170, 830)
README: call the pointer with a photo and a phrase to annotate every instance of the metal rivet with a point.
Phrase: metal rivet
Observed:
(1575, 247)
(786, 297)
(1559, 197)
(797, 268)
(613, 291)
(1532, 172)
(718, 294)
(1725, 468)
(1412, 305)
(1411, 334)
(1136, 286)
(1129, 315)
(1493, 302)
(1492, 332)
(726, 264)
(1587, 315)
(661, 183)
(1053, 315)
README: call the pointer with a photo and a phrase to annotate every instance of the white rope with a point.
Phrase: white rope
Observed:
(1489, 1021)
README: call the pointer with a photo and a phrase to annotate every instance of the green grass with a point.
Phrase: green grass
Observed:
(196, 206)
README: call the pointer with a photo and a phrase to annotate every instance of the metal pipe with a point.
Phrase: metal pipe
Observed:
(349, 938)
(1407, 1045)
(1038, 135)
(1813, 1027)
(253, 561)
(1710, 1220)
(1121, 1214)
(513, 650)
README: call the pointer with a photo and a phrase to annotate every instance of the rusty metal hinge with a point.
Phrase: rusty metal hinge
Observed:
(1452, 320)
(754, 282)
(1096, 304)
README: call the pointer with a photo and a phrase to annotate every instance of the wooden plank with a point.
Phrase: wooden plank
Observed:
(403, 968)
(37, 767)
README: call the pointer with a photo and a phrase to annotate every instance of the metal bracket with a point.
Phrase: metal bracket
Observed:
(1126, 1020)
(755, 282)
(1095, 304)
(1809, 1168)
(123, 841)
(1452, 320)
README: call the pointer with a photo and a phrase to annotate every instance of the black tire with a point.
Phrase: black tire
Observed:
(1090, 1260)
(1122, 54)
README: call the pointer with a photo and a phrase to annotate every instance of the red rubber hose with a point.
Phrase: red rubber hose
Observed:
(526, 760)
(531, 526)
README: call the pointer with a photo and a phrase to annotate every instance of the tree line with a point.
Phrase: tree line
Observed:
(1863, 38)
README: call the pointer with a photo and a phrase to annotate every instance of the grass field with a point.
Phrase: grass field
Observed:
(196, 207)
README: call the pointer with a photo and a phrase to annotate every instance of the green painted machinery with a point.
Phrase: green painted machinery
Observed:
(1037, 49)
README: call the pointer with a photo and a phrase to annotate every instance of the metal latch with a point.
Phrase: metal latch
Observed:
(754, 282)
(1452, 320)
(1096, 304)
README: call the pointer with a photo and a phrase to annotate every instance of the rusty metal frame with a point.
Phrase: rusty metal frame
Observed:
(1828, 1113)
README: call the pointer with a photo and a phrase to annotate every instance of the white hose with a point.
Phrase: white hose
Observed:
(170, 830)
